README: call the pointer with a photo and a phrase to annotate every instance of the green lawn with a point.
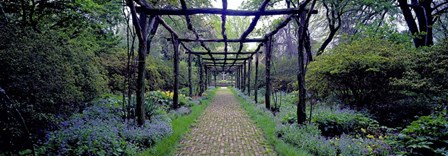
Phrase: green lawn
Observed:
(267, 124)
(181, 126)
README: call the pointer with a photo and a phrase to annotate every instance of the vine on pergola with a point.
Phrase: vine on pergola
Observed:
(145, 17)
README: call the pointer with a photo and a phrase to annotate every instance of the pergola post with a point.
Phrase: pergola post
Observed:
(301, 114)
(256, 79)
(141, 71)
(190, 86)
(176, 73)
(248, 76)
(200, 77)
(267, 96)
(238, 74)
(206, 78)
(244, 76)
(214, 76)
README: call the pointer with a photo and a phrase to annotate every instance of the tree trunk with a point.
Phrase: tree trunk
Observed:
(423, 34)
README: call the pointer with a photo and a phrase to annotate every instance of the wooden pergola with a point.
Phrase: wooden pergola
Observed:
(150, 18)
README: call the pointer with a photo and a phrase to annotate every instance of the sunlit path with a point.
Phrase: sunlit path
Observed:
(224, 129)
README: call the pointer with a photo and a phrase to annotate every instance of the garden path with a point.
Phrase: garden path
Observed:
(224, 129)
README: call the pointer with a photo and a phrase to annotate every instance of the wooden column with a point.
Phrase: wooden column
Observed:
(214, 76)
(256, 79)
(237, 77)
(267, 95)
(244, 76)
(141, 71)
(176, 73)
(301, 114)
(201, 89)
(190, 85)
(240, 69)
(206, 78)
(248, 76)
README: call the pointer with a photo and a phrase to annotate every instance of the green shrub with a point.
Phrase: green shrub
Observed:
(359, 73)
(426, 136)
(46, 77)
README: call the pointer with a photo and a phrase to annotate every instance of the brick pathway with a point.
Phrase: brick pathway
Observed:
(224, 129)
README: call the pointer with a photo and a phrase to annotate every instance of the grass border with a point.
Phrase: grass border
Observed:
(181, 126)
(267, 124)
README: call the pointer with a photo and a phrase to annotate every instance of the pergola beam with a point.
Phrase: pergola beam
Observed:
(190, 27)
(223, 59)
(219, 63)
(219, 11)
(247, 40)
(222, 53)
(252, 26)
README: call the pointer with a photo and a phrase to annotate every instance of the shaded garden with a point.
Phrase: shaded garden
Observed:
(318, 77)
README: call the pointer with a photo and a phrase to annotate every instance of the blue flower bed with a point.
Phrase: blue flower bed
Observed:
(100, 130)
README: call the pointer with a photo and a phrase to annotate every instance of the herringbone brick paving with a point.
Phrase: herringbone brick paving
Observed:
(224, 129)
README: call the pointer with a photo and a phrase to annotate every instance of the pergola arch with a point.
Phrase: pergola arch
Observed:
(239, 64)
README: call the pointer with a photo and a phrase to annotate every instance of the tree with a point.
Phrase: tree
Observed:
(426, 12)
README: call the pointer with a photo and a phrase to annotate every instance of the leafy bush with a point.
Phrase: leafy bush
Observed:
(47, 77)
(360, 73)
(426, 136)
(100, 130)
(427, 75)
(165, 99)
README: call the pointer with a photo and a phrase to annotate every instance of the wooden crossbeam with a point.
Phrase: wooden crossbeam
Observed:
(252, 25)
(280, 26)
(224, 59)
(219, 11)
(222, 53)
(219, 63)
(190, 27)
(256, 51)
(167, 27)
(248, 40)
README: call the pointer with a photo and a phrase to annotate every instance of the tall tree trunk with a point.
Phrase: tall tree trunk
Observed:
(423, 34)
